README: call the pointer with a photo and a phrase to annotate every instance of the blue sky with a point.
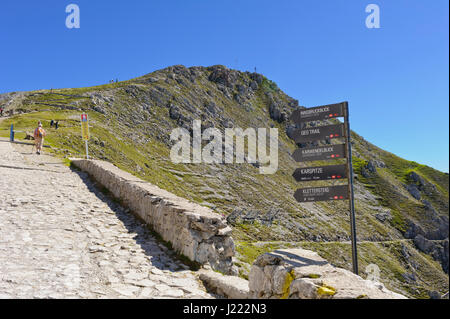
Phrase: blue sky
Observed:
(395, 78)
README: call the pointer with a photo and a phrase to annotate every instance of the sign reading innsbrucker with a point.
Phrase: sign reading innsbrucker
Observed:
(320, 173)
(319, 133)
(318, 194)
(327, 152)
(319, 153)
(318, 113)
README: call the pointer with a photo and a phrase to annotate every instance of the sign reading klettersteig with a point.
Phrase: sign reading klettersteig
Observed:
(318, 194)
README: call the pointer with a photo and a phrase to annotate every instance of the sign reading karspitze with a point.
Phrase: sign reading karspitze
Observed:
(319, 133)
(319, 153)
(318, 113)
(318, 194)
(320, 173)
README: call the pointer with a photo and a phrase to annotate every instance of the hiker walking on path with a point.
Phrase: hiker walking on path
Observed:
(39, 134)
(1, 110)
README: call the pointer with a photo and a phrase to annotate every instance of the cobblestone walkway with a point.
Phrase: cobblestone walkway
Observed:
(61, 238)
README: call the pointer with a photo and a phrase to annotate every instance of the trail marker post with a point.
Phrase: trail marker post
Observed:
(327, 152)
(85, 131)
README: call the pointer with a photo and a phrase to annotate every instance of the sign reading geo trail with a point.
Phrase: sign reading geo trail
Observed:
(320, 173)
(326, 152)
(319, 133)
(317, 194)
(319, 153)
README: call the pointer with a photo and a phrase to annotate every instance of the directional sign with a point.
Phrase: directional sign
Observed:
(319, 194)
(320, 173)
(84, 126)
(319, 133)
(329, 152)
(319, 153)
(318, 113)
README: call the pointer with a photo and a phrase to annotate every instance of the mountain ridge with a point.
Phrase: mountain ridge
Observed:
(398, 202)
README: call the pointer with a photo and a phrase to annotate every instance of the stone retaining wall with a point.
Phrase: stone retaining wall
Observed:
(193, 230)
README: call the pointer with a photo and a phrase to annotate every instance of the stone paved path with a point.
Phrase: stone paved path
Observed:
(61, 238)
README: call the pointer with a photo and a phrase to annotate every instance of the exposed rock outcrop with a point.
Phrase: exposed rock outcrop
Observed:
(303, 274)
(243, 216)
(222, 75)
(438, 249)
(231, 287)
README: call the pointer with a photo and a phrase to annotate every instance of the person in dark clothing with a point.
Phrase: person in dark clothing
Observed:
(1, 110)
(51, 123)
(56, 125)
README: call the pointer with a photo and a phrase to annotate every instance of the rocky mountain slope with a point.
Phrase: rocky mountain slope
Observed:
(402, 206)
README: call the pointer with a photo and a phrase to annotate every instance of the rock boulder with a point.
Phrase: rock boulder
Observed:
(303, 274)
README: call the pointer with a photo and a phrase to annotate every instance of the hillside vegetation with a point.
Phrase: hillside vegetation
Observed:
(401, 206)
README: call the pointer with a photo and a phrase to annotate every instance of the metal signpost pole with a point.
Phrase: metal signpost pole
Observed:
(87, 150)
(350, 186)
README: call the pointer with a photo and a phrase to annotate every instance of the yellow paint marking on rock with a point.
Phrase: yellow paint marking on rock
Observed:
(287, 284)
(326, 291)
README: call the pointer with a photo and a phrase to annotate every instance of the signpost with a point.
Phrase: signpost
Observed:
(319, 194)
(350, 190)
(318, 113)
(319, 133)
(85, 131)
(319, 153)
(328, 152)
(320, 173)
(11, 133)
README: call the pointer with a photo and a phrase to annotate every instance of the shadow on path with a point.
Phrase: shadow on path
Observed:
(22, 143)
(299, 261)
(143, 234)
(30, 169)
